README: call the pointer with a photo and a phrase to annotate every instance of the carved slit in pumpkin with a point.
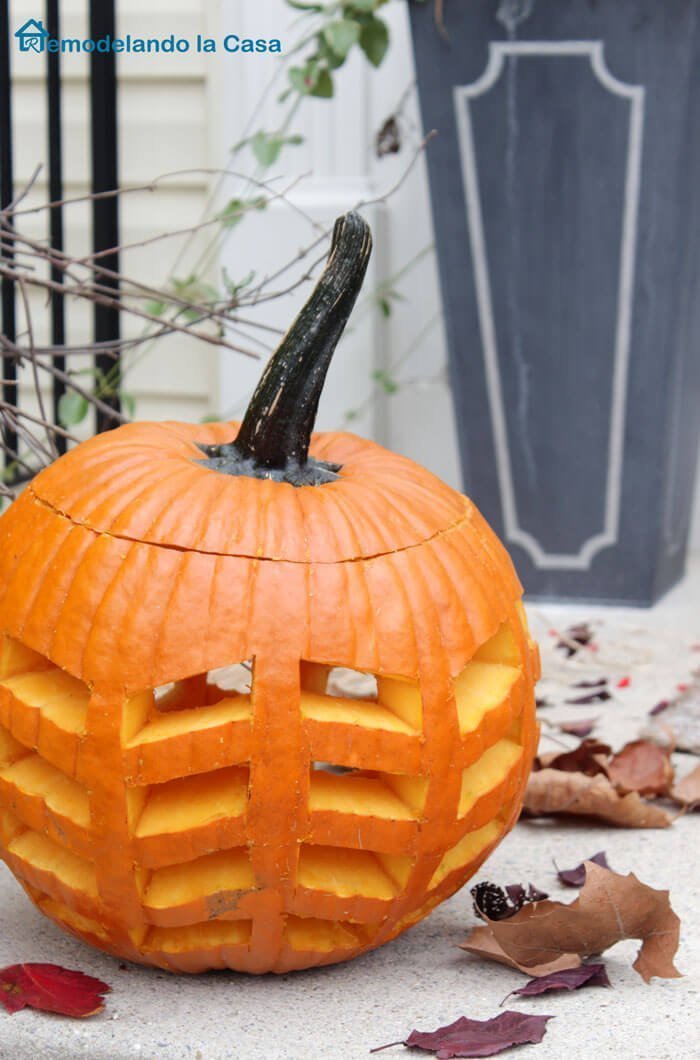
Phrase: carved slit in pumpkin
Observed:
(273, 441)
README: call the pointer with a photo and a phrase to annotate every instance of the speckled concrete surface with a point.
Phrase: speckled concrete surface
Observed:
(421, 980)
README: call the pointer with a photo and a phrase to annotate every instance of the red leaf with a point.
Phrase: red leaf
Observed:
(578, 728)
(574, 638)
(687, 790)
(566, 979)
(50, 988)
(586, 758)
(467, 1037)
(641, 766)
(597, 696)
(577, 877)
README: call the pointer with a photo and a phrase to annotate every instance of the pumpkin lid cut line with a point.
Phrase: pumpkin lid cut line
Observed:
(174, 547)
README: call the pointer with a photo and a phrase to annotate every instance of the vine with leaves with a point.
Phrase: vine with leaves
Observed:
(191, 303)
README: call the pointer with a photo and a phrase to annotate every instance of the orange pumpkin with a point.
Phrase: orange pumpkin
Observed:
(167, 820)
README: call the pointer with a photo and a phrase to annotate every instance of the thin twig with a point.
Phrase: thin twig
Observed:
(21, 283)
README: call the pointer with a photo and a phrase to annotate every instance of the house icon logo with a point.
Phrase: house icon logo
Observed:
(31, 36)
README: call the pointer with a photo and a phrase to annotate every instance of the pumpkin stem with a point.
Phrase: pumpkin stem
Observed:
(273, 441)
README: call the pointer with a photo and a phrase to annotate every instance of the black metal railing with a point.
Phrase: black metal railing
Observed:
(105, 210)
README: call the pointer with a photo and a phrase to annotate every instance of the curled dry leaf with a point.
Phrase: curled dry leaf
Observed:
(551, 791)
(467, 1037)
(578, 728)
(687, 790)
(577, 877)
(388, 139)
(609, 908)
(51, 988)
(481, 942)
(641, 766)
(596, 696)
(566, 979)
(590, 757)
(574, 638)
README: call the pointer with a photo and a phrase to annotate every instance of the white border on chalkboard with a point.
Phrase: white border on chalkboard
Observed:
(498, 50)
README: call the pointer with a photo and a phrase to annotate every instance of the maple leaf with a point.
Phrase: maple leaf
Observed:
(467, 1037)
(577, 877)
(609, 908)
(51, 988)
(481, 942)
(551, 791)
(641, 766)
(565, 979)
(687, 790)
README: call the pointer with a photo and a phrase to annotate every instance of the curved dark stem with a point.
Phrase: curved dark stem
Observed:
(273, 441)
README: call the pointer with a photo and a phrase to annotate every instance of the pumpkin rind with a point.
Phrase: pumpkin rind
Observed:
(82, 594)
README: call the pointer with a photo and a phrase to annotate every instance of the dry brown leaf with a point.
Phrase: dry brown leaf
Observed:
(609, 908)
(687, 790)
(551, 791)
(481, 942)
(641, 766)
(589, 757)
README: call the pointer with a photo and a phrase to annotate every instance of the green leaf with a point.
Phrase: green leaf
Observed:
(128, 404)
(341, 35)
(234, 287)
(324, 86)
(72, 408)
(361, 5)
(235, 209)
(303, 78)
(266, 148)
(331, 59)
(385, 381)
(194, 290)
(232, 213)
(210, 418)
(385, 307)
(374, 40)
(298, 79)
(299, 6)
(156, 308)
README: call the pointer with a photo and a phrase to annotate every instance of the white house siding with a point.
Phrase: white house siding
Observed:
(163, 127)
(184, 111)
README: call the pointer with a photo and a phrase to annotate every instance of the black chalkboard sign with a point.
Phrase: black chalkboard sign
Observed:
(565, 184)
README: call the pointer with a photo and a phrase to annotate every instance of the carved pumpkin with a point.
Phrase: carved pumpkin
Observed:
(162, 818)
